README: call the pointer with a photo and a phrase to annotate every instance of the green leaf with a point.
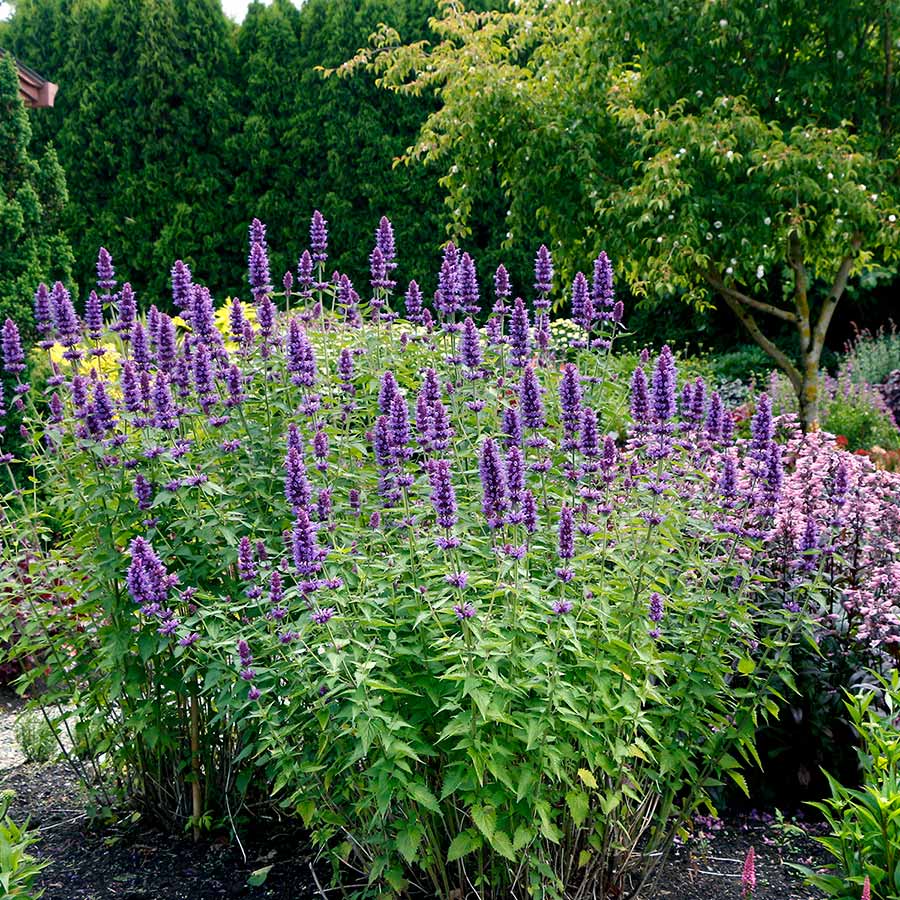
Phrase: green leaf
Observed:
(587, 777)
(579, 805)
(408, 840)
(259, 876)
(465, 842)
(421, 794)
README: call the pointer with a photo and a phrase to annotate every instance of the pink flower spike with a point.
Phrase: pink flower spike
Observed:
(748, 875)
(867, 890)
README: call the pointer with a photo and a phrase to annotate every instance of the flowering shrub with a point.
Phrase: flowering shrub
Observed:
(864, 823)
(395, 572)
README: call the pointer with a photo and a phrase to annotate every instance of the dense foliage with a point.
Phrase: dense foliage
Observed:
(395, 572)
(686, 139)
(175, 126)
(32, 197)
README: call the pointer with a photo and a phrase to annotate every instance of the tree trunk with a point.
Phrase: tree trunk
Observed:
(808, 396)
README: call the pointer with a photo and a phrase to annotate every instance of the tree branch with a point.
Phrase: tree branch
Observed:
(838, 287)
(775, 352)
(716, 281)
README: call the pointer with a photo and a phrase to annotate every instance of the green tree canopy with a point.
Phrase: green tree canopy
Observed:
(747, 152)
(33, 247)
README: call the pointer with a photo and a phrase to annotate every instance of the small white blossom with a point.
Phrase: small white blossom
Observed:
(830, 176)
(767, 220)
(729, 271)
(723, 23)
(892, 218)
(760, 272)
(717, 224)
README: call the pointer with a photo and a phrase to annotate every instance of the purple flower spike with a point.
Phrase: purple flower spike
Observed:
(519, 334)
(386, 392)
(165, 414)
(570, 403)
(566, 547)
(582, 309)
(258, 272)
(245, 562)
(515, 472)
(714, 417)
(93, 316)
(304, 544)
(640, 401)
(106, 274)
(664, 386)
(43, 310)
(443, 497)
(182, 282)
(512, 427)
(323, 615)
(467, 285)
(562, 607)
(470, 350)
(762, 429)
(493, 483)
(464, 611)
(543, 272)
(11, 344)
(602, 293)
(529, 512)
(297, 489)
(589, 439)
(502, 288)
(413, 301)
(384, 241)
(530, 403)
(318, 237)
(127, 312)
(256, 233)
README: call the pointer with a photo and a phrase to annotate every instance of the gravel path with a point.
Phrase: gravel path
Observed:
(10, 710)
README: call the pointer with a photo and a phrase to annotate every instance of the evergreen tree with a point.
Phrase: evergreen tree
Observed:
(140, 121)
(32, 198)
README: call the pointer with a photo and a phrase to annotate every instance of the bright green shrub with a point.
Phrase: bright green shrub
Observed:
(864, 823)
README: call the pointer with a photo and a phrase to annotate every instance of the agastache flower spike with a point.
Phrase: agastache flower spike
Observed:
(519, 334)
(602, 294)
(413, 301)
(305, 277)
(640, 401)
(165, 416)
(664, 386)
(501, 288)
(570, 403)
(398, 423)
(515, 472)
(443, 497)
(762, 429)
(66, 320)
(512, 427)
(467, 283)
(140, 349)
(582, 309)
(589, 439)
(491, 473)
(127, 312)
(543, 274)
(43, 312)
(566, 548)
(384, 240)
(166, 343)
(304, 544)
(93, 316)
(296, 485)
(530, 400)
(386, 392)
(245, 562)
(11, 343)
(714, 417)
(470, 350)
(318, 237)
(106, 274)
(182, 280)
(655, 613)
(258, 272)
(529, 511)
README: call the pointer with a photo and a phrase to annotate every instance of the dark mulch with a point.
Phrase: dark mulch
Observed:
(138, 862)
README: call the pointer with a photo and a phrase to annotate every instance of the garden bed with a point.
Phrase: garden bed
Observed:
(132, 860)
